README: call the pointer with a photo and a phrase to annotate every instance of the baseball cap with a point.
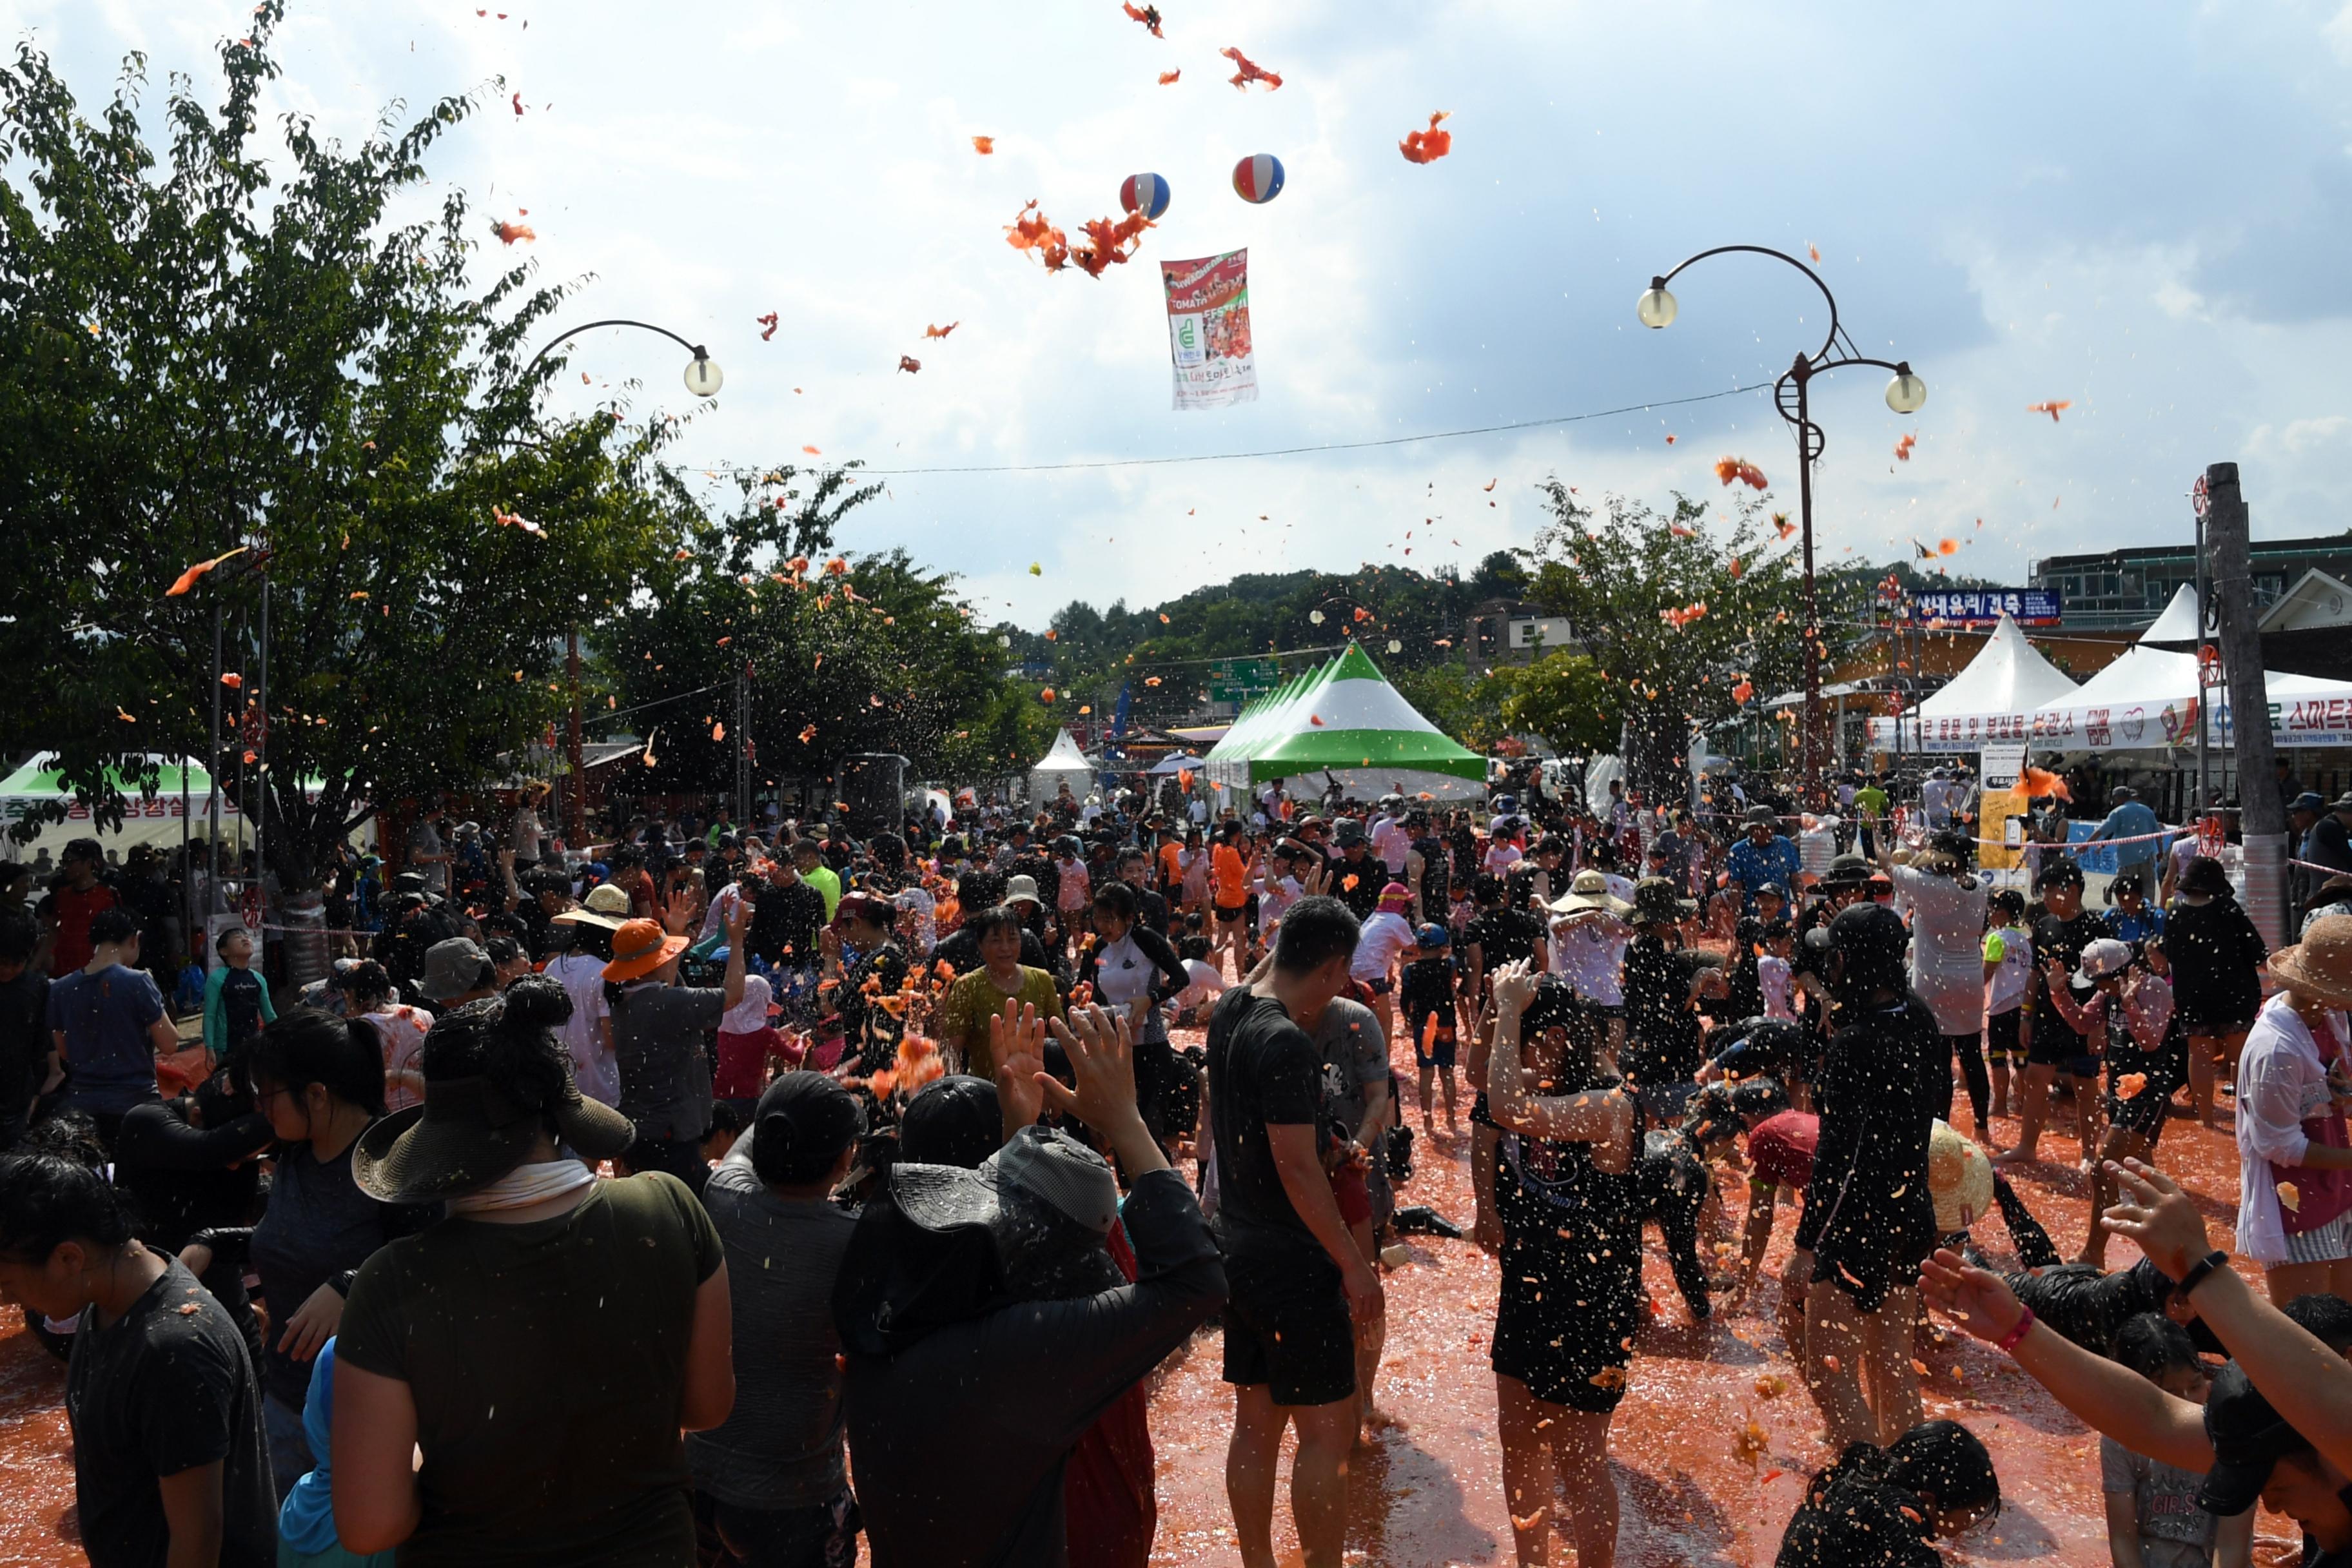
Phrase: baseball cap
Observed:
(2249, 1436)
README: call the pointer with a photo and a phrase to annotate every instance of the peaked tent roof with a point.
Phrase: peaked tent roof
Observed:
(2007, 675)
(1348, 716)
(1061, 757)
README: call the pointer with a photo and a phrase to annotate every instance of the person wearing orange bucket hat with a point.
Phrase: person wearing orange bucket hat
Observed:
(661, 1032)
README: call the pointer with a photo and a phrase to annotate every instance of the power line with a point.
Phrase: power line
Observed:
(1264, 452)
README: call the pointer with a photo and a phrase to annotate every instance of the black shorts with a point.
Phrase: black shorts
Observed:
(1480, 1116)
(2055, 1046)
(2000, 1036)
(1440, 1053)
(1230, 912)
(2144, 1113)
(1287, 1326)
(1567, 1350)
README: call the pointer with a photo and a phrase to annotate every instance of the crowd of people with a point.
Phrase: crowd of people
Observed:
(717, 1194)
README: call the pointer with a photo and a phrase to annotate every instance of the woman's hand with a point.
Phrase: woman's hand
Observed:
(1102, 1056)
(313, 1323)
(1515, 987)
(683, 909)
(1016, 1041)
(2151, 1210)
(1977, 1300)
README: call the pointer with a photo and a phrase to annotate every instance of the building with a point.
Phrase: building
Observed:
(1511, 631)
(2125, 590)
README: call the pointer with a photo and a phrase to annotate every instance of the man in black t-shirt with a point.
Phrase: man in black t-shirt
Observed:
(787, 919)
(1357, 874)
(1298, 1282)
(1134, 870)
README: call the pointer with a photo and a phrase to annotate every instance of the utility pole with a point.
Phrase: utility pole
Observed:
(575, 804)
(743, 748)
(2260, 812)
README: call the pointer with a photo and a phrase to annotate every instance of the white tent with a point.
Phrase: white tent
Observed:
(2148, 698)
(1062, 764)
(1175, 763)
(1987, 702)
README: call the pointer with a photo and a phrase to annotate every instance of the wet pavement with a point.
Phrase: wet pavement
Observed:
(1428, 1491)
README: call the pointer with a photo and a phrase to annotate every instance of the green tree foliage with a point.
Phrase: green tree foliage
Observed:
(197, 357)
(1563, 697)
(1625, 573)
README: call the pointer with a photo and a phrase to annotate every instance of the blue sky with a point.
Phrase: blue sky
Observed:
(2144, 209)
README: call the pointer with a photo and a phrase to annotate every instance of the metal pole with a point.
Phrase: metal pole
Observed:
(2260, 809)
(1810, 765)
(212, 774)
(575, 813)
(2204, 718)
(261, 740)
(742, 748)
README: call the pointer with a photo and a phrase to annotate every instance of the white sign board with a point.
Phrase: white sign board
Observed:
(2002, 762)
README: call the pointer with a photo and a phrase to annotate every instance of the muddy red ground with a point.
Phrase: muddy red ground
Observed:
(1428, 1493)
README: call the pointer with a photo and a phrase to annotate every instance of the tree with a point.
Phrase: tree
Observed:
(1683, 623)
(197, 361)
(1564, 697)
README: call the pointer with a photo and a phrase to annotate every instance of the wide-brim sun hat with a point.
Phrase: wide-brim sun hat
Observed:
(1657, 898)
(2320, 965)
(468, 1134)
(1019, 888)
(607, 905)
(1589, 890)
(640, 947)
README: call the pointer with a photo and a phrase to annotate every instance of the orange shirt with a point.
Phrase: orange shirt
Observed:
(1232, 877)
(1171, 872)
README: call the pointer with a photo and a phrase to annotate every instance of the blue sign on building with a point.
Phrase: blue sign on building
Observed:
(1983, 606)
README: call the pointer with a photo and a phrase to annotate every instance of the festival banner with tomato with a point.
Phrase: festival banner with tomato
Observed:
(1208, 336)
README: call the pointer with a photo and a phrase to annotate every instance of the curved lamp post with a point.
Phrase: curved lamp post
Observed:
(703, 379)
(1904, 395)
(702, 374)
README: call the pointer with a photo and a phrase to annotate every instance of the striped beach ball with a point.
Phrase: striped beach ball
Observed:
(1259, 177)
(1145, 194)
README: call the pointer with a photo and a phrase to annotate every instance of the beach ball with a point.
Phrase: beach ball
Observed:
(1259, 177)
(1145, 194)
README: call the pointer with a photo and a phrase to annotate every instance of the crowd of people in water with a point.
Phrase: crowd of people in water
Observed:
(726, 1194)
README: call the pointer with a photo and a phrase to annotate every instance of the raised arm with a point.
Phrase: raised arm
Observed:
(2308, 1384)
(1601, 1117)
(2102, 1394)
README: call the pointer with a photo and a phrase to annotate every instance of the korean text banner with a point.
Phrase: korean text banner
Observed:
(2026, 607)
(1209, 331)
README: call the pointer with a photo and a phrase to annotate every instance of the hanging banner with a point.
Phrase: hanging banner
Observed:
(1209, 331)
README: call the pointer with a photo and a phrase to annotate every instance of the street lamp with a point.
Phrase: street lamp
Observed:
(1907, 393)
(703, 377)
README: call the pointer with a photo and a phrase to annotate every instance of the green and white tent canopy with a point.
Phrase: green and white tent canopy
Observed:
(1344, 718)
(148, 819)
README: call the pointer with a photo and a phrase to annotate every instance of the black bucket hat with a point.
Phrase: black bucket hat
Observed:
(468, 1134)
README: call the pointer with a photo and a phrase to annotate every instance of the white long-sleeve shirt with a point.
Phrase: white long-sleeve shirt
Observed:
(2281, 1083)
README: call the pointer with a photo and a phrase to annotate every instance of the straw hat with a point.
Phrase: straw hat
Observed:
(1589, 890)
(2320, 965)
(607, 905)
(640, 947)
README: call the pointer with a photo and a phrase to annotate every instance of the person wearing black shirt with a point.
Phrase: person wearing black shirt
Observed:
(1869, 1221)
(1357, 874)
(787, 920)
(2053, 1046)
(25, 1043)
(191, 1167)
(1134, 870)
(1428, 868)
(1298, 1282)
(1502, 931)
(170, 1462)
(1661, 1054)
(869, 1026)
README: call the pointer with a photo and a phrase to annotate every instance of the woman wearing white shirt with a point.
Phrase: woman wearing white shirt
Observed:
(2295, 1157)
(1948, 926)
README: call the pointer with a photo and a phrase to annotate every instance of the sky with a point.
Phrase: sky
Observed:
(2144, 210)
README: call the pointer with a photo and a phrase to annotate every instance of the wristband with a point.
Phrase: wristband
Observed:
(2007, 1345)
(2199, 1270)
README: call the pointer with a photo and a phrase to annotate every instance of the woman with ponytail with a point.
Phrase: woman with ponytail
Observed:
(170, 1462)
(542, 1344)
(318, 1078)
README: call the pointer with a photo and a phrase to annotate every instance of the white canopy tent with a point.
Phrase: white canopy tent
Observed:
(1987, 702)
(1062, 764)
(2148, 698)
(1175, 763)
